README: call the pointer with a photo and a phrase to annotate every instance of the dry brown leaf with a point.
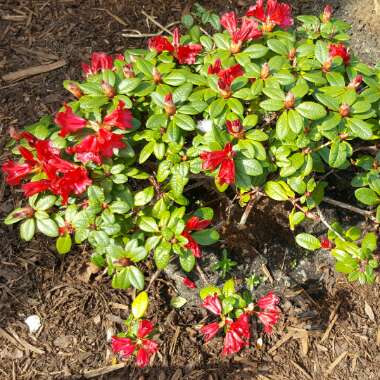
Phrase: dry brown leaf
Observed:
(368, 310)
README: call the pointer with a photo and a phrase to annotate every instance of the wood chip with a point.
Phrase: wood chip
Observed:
(174, 341)
(378, 337)
(16, 18)
(116, 305)
(103, 370)
(280, 343)
(336, 362)
(329, 328)
(31, 71)
(301, 370)
(368, 310)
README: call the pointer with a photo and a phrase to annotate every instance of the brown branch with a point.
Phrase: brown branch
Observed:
(368, 214)
(164, 28)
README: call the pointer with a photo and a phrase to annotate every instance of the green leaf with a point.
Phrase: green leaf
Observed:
(143, 197)
(277, 46)
(120, 279)
(27, 229)
(206, 237)
(140, 305)
(367, 196)
(162, 255)
(217, 107)
(177, 302)
(48, 227)
(92, 103)
(321, 51)
(278, 191)
(311, 110)
(209, 290)
(45, 202)
(182, 92)
(135, 277)
(338, 154)
(187, 261)
(235, 106)
(256, 51)
(119, 207)
(229, 288)
(63, 244)
(252, 167)
(127, 85)
(185, 122)
(175, 78)
(272, 105)
(308, 241)
(360, 128)
(148, 224)
(295, 121)
(146, 151)
(145, 67)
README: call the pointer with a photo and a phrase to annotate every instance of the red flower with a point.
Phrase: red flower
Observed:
(32, 188)
(270, 312)
(275, 14)
(95, 147)
(235, 128)
(69, 122)
(226, 77)
(339, 50)
(18, 171)
(268, 302)
(99, 61)
(120, 117)
(222, 158)
(242, 326)
(248, 30)
(194, 224)
(212, 303)
(146, 347)
(210, 330)
(232, 342)
(185, 54)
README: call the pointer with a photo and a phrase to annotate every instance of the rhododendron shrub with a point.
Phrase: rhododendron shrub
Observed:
(271, 105)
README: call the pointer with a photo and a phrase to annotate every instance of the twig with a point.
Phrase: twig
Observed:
(201, 274)
(336, 362)
(247, 211)
(31, 71)
(328, 225)
(138, 34)
(103, 370)
(301, 370)
(348, 207)
(153, 278)
(164, 28)
(116, 17)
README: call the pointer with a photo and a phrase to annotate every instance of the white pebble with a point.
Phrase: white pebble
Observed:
(34, 323)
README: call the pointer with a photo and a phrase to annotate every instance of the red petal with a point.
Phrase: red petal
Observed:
(227, 172)
(229, 22)
(120, 117)
(187, 54)
(268, 301)
(145, 328)
(124, 346)
(232, 343)
(32, 188)
(196, 224)
(69, 122)
(160, 44)
(150, 346)
(142, 358)
(16, 172)
(187, 282)
(210, 330)
(257, 11)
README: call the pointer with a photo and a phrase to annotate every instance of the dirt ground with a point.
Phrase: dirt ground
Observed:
(330, 329)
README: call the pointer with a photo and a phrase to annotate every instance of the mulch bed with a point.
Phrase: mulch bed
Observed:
(329, 329)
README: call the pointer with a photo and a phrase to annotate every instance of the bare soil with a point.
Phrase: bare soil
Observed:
(330, 329)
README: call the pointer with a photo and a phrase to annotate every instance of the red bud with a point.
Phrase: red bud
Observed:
(265, 71)
(169, 105)
(290, 100)
(327, 13)
(344, 110)
(74, 89)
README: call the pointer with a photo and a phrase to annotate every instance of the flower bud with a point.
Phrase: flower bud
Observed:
(169, 105)
(290, 100)
(327, 13)
(292, 54)
(74, 89)
(326, 243)
(156, 75)
(265, 71)
(326, 67)
(128, 71)
(235, 47)
(235, 128)
(344, 110)
(356, 82)
(25, 212)
(108, 90)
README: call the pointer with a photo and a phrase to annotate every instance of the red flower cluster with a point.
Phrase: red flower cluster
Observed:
(99, 61)
(248, 30)
(101, 144)
(194, 224)
(145, 347)
(223, 158)
(276, 13)
(226, 77)
(269, 313)
(339, 50)
(62, 177)
(185, 54)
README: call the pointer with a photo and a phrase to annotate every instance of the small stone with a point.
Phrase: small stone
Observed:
(34, 323)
